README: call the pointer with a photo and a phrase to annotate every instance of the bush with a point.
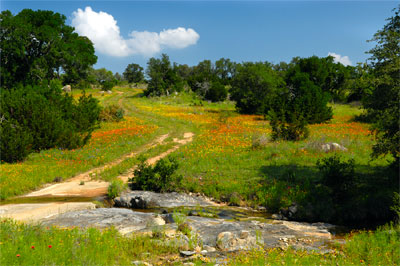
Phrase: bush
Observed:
(115, 188)
(217, 92)
(287, 126)
(338, 176)
(159, 178)
(112, 113)
(41, 117)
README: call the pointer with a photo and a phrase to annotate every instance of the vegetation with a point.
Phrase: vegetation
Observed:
(382, 102)
(112, 113)
(37, 46)
(41, 117)
(158, 178)
(134, 73)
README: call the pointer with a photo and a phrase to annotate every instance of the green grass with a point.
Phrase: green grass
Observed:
(22, 244)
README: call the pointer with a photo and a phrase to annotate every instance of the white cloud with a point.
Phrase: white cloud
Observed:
(102, 29)
(337, 58)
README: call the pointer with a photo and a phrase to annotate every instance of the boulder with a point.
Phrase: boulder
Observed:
(148, 199)
(332, 146)
(66, 88)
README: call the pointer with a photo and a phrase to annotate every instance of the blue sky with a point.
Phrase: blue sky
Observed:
(191, 31)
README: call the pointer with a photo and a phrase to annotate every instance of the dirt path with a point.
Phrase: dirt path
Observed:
(81, 186)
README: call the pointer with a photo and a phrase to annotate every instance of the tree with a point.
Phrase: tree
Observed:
(163, 79)
(225, 70)
(254, 87)
(37, 46)
(310, 99)
(382, 103)
(134, 73)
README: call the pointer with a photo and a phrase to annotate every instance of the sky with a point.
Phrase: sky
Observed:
(125, 32)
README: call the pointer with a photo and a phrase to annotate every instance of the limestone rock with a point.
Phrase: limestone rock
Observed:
(148, 199)
(66, 88)
(332, 146)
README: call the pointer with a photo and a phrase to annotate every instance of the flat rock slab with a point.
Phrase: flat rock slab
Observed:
(37, 211)
(148, 199)
(124, 220)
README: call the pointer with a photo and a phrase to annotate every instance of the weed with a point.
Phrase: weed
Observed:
(115, 188)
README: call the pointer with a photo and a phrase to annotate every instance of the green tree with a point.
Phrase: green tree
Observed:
(37, 46)
(382, 103)
(162, 78)
(134, 73)
(225, 70)
(254, 87)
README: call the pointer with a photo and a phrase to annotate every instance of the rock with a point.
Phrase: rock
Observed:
(66, 88)
(158, 220)
(140, 263)
(124, 220)
(109, 92)
(332, 146)
(168, 218)
(244, 234)
(189, 264)
(187, 253)
(148, 199)
(209, 248)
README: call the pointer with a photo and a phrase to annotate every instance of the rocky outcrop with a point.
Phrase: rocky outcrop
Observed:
(214, 234)
(148, 200)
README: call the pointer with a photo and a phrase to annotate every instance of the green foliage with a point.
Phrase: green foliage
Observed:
(112, 113)
(254, 87)
(338, 176)
(158, 178)
(323, 72)
(163, 78)
(217, 92)
(305, 98)
(225, 70)
(41, 117)
(115, 188)
(382, 103)
(134, 73)
(37, 45)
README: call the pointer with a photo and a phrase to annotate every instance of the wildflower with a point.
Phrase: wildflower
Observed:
(50, 246)
(33, 247)
(18, 255)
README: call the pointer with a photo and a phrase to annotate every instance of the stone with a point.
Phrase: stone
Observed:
(189, 264)
(244, 234)
(332, 146)
(109, 92)
(124, 220)
(148, 199)
(209, 248)
(140, 263)
(187, 253)
(66, 88)
(158, 220)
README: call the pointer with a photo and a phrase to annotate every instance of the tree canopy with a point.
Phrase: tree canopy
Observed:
(134, 73)
(37, 46)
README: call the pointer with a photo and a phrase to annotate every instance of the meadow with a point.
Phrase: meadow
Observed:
(231, 159)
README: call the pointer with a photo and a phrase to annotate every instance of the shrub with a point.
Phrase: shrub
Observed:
(112, 113)
(41, 117)
(259, 141)
(217, 92)
(115, 188)
(337, 175)
(287, 126)
(158, 178)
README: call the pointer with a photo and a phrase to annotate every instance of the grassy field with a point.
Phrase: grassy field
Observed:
(22, 244)
(231, 159)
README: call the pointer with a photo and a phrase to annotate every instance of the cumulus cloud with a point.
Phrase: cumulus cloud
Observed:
(337, 58)
(102, 29)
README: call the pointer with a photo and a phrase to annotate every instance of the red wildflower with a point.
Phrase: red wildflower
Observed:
(50, 246)
(18, 255)
(33, 247)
